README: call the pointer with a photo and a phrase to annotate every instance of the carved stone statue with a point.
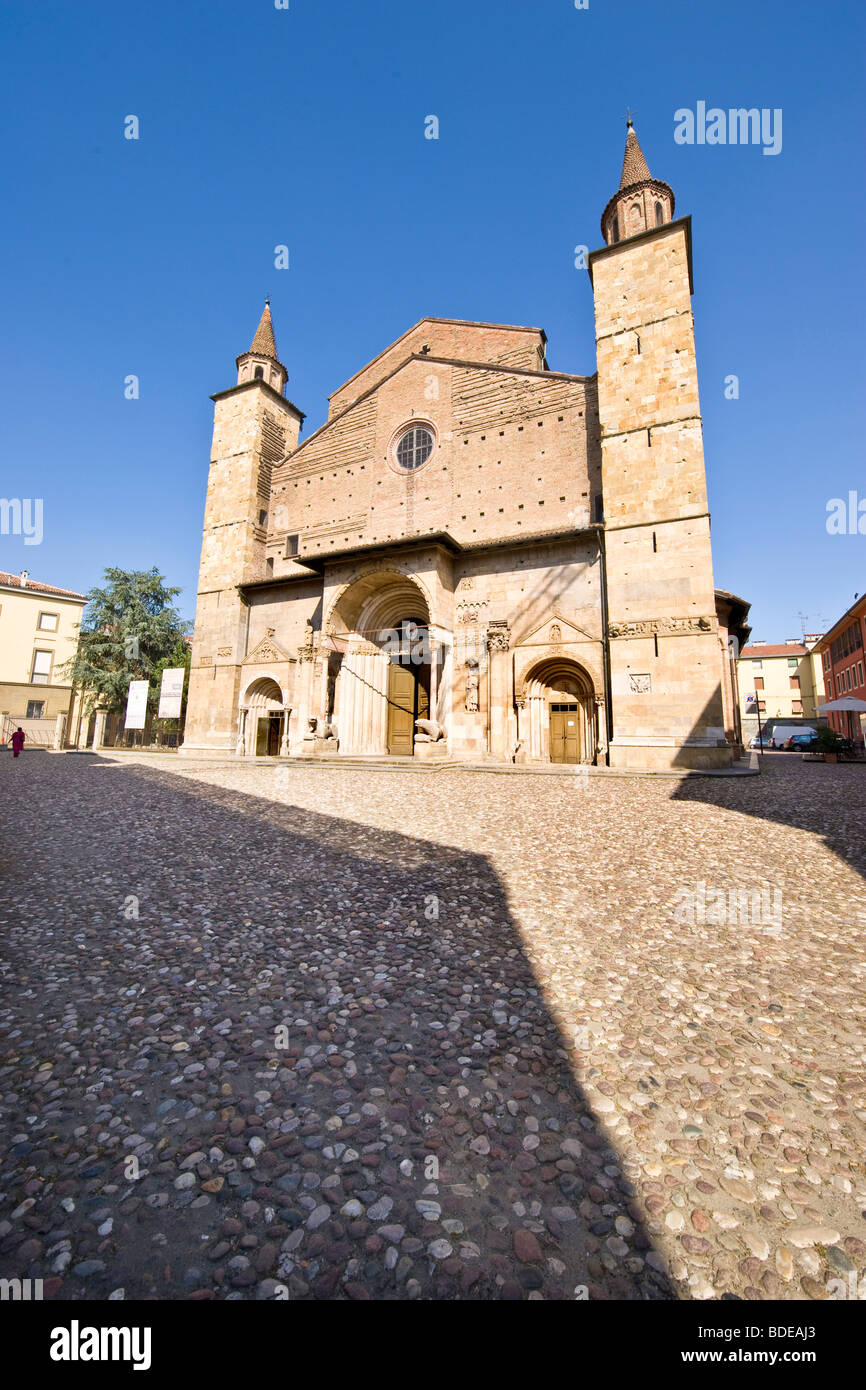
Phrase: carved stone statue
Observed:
(472, 686)
(428, 731)
(321, 732)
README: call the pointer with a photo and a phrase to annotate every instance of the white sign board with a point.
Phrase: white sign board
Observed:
(136, 705)
(171, 693)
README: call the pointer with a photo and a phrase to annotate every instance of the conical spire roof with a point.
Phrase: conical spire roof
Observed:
(634, 166)
(263, 342)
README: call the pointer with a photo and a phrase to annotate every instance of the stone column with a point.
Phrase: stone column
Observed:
(601, 726)
(83, 726)
(434, 681)
(445, 685)
(498, 641)
(522, 753)
(241, 744)
(305, 695)
(284, 741)
(59, 724)
(536, 727)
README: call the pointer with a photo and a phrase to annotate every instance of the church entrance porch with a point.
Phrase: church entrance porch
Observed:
(556, 714)
(385, 666)
(263, 721)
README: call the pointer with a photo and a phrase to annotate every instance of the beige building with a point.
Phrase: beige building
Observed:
(38, 634)
(781, 678)
(475, 557)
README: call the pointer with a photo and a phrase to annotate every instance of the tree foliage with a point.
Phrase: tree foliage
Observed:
(130, 631)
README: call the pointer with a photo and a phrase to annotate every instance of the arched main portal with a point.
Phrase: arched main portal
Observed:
(386, 665)
(557, 720)
(263, 720)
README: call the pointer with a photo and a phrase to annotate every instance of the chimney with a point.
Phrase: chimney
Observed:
(24, 577)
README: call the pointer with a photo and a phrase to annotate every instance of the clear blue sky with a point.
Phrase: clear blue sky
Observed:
(306, 127)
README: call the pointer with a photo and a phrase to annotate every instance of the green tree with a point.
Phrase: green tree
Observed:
(130, 630)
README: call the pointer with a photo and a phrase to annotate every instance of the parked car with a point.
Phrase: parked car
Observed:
(801, 743)
(763, 741)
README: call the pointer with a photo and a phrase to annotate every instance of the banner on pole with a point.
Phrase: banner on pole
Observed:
(136, 705)
(171, 693)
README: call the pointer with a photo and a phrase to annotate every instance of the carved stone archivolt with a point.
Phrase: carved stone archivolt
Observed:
(663, 627)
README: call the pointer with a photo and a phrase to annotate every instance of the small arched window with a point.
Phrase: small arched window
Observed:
(616, 228)
(660, 215)
(259, 373)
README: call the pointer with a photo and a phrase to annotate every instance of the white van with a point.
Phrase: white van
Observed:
(777, 735)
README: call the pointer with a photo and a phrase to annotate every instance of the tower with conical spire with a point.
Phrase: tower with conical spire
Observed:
(261, 363)
(255, 427)
(640, 202)
(666, 703)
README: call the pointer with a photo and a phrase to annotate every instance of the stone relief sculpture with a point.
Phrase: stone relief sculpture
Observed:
(658, 627)
(640, 682)
(469, 610)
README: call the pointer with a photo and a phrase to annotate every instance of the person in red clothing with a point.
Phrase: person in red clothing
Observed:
(17, 742)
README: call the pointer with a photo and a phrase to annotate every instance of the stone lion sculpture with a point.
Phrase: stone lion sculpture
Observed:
(428, 731)
(320, 729)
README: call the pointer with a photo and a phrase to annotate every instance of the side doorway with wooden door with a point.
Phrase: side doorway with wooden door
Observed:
(564, 733)
(408, 700)
(268, 735)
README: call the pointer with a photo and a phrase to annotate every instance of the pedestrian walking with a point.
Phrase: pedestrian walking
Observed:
(17, 742)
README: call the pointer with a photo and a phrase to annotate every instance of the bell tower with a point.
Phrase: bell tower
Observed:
(666, 703)
(640, 202)
(261, 362)
(254, 428)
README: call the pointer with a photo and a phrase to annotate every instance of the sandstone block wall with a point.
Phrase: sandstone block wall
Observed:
(665, 672)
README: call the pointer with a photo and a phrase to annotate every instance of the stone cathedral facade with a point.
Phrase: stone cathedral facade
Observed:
(475, 558)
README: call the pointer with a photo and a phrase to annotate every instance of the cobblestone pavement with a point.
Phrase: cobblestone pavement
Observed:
(314, 1032)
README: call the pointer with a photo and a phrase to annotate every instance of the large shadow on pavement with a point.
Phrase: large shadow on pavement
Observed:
(307, 1037)
(822, 799)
